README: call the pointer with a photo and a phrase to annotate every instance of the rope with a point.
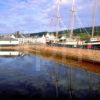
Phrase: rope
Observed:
(81, 24)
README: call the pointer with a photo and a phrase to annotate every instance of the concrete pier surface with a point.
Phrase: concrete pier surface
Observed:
(63, 52)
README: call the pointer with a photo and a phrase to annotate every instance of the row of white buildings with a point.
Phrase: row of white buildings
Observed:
(13, 40)
(48, 38)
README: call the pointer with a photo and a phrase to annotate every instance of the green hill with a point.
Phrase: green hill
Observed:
(77, 32)
(88, 30)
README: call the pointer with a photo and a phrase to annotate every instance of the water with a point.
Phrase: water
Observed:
(29, 76)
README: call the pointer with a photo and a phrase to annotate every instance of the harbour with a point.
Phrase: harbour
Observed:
(49, 50)
(42, 78)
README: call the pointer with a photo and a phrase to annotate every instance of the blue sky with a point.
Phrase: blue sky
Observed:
(35, 15)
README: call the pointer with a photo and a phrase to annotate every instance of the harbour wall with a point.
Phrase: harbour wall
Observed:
(72, 53)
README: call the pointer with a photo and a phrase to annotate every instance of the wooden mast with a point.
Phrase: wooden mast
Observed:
(58, 18)
(72, 18)
(94, 18)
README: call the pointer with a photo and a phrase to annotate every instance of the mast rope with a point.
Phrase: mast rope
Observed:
(81, 24)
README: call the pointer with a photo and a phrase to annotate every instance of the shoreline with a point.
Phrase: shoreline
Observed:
(63, 52)
(42, 51)
(92, 56)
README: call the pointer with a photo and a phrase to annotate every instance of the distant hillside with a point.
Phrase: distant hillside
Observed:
(38, 34)
(77, 32)
(88, 30)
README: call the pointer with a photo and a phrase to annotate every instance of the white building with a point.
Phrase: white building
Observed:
(41, 40)
(50, 38)
(9, 42)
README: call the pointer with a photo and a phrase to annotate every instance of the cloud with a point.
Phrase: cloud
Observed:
(64, 1)
(35, 15)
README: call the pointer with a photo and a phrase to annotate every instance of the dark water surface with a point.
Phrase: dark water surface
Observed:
(31, 77)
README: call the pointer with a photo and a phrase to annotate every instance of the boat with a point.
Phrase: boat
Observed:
(94, 41)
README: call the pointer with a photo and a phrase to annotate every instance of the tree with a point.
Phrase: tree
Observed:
(85, 36)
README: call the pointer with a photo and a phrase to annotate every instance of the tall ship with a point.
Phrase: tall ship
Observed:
(94, 42)
(72, 41)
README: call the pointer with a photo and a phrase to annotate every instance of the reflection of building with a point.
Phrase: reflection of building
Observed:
(9, 53)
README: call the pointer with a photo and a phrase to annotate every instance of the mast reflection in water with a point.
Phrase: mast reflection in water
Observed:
(29, 76)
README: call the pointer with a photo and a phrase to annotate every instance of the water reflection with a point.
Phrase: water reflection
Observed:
(87, 66)
(30, 76)
(10, 53)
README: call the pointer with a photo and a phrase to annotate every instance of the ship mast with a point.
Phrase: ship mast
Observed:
(58, 18)
(94, 17)
(72, 18)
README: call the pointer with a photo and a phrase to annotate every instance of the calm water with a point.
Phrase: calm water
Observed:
(29, 76)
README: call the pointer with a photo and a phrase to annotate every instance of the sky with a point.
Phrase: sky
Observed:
(40, 15)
